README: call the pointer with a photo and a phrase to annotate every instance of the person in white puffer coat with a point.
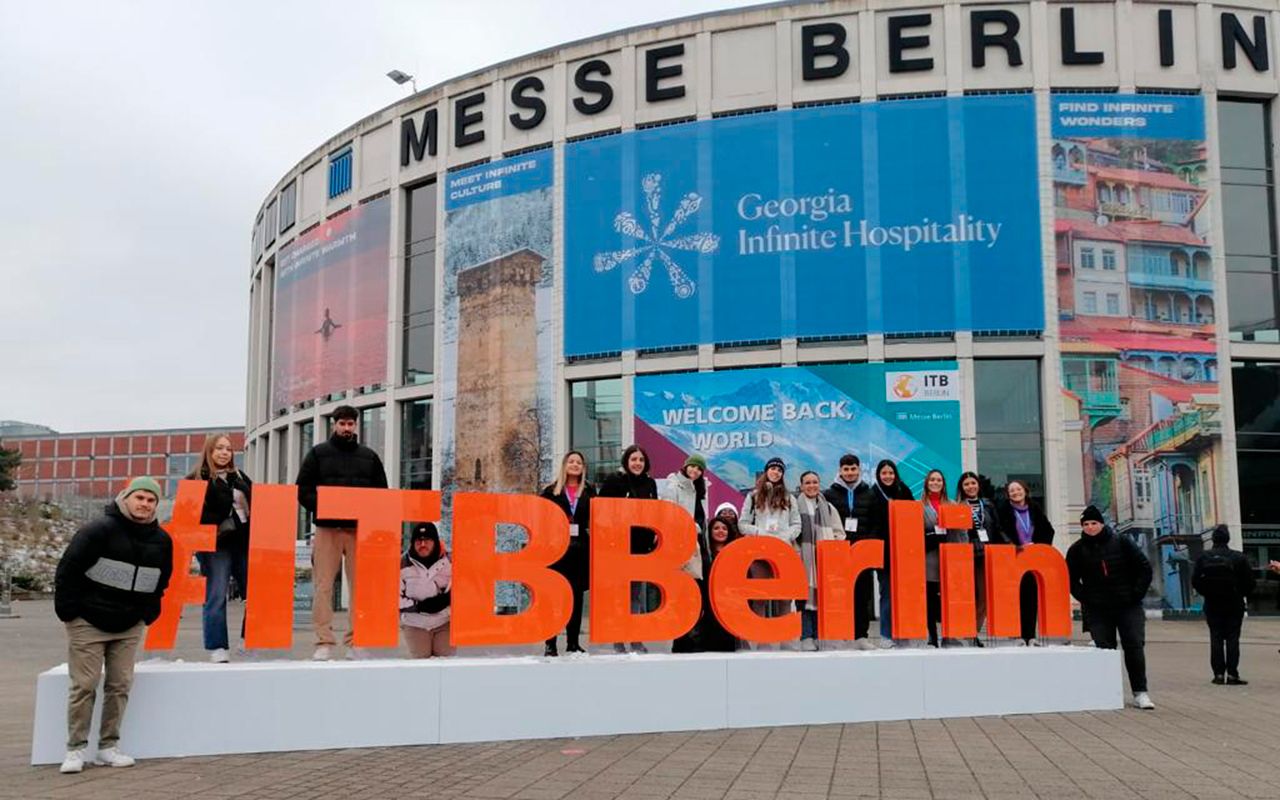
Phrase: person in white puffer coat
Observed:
(770, 510)
(688, 489)
(426, 577)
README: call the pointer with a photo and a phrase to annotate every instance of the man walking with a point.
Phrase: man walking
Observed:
(1110, 576)
(341, 461)
(850, 496)
(1223, 577)
(107, 589)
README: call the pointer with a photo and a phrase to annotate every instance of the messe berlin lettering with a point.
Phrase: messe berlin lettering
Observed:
(478, 567)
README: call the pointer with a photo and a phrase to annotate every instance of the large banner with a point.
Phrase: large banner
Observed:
(896, 217)
(1136, 300)
(497, 350)
(808, 416)
(330, 320)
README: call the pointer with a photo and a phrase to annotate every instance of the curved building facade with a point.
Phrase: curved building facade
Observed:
(1033, 240)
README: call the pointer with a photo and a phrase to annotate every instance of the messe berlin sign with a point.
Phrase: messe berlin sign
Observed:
(478, 567)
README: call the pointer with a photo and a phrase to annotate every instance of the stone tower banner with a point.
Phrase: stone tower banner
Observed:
(496, 362)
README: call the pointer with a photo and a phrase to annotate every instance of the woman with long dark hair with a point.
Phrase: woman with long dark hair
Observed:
(934, 496)
(1024, 523)
(770, 510)
(573, 492)
(886, 489)
(633, 481)
(226, 506)
(712, 637)
(984, 530)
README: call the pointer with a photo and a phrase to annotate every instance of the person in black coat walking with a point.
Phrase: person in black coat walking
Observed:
(572, 492)
(633, 481)
(851, 496)
(226, 507)
(107, 590)
(1022, 522)
(1224, 578)
(1110, 576)
(341, 461)
(874, 515)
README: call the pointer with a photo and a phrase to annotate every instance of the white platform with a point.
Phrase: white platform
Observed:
(188, 709)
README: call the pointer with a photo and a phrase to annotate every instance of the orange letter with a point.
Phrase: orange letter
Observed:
(731, 589)
(959, 608)
(273, 545)
(839, 566)
(189, 537)
(375, 582)
(906, 570)
(477, 567)
(1005, 567)
(613, 569)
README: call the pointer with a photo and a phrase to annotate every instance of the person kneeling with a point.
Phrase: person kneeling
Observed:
(425, 579)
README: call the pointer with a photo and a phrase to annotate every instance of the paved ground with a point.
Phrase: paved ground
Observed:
(1203, 741)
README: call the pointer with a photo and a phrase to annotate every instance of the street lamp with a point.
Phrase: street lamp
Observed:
(401, 78)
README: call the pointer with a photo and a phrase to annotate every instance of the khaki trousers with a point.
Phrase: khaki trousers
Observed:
(425, 643)
(87, 649)
(332, 549)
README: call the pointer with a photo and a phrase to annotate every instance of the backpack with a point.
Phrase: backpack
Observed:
(1217, 576)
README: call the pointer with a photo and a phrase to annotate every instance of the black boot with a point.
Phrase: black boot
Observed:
(550, 650)
(1219, 680)
(1236, 680)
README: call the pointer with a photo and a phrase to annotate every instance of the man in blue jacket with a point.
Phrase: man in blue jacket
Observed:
(107, 590)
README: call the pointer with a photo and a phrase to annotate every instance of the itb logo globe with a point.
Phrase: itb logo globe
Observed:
(659, 241)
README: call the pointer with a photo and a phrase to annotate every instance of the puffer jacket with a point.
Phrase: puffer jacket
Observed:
(679, 489)
(424, 592)
(1108, 571)
(338, 462)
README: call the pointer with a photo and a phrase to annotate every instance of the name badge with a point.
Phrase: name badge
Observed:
(851, 525)
(573, 530)
(982, 535)
(939, 531)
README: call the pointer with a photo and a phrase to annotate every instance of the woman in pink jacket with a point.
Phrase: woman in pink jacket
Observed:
(425, 579)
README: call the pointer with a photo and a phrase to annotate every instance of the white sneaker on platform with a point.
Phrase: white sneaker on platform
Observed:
(358, 654)
(808, 645)
(220, 656)
(885, 644)
(323, 653)
(1143, 700)
(112, 757)
(73, 763)
(863, 644)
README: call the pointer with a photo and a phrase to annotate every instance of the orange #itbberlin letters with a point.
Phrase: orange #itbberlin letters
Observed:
(478, 567)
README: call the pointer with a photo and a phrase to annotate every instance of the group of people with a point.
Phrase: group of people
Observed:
(112, 576)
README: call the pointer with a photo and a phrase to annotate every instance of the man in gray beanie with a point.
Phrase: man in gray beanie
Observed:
(1223, 577)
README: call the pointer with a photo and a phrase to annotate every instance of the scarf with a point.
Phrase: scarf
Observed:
(1022, 522)
(816, 515)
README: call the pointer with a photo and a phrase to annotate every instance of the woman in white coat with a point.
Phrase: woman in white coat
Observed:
(770, 510)
(688, 489)
(426, 577)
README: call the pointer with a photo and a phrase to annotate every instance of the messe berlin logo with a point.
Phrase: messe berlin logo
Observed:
(658, 242)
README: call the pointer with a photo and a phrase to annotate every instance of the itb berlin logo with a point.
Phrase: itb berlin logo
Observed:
(908, 387)
(658, 241)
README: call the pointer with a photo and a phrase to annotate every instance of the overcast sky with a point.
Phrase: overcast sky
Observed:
(139, 140)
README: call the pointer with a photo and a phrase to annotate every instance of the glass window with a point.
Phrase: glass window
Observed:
(1109, 259)
(1090, 304)
(420, 284)
(1086, 258)
(306, 432)
(1113, 304)
(595, 424)
(1243, 134)
(373, 429)
(1007, 399)
(415, 444)
(288, 206)
(340, 166)
(1248, 213)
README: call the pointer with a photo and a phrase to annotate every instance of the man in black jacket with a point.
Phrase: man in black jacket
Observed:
(107, 590)
(1224, 578)
(850, 496)
(341, 461)
(1110, 576)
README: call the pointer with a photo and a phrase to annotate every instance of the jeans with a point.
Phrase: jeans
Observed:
(218, 567)
(863, 591)
(1224, 639)
(808, 623)
(886, 628)
(1130, 623)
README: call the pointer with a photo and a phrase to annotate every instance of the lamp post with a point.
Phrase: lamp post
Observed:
(401, 78)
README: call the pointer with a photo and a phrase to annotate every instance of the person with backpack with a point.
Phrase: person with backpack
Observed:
(1110, 576)
(1224, 578)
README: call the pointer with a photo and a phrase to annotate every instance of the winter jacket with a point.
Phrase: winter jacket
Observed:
(1108, 571)
(838, 495)
(114, 572)
(934, 536)
(575, 564)
(219, 504)
(338, 462)
(636, 487)
(875, 511)
(1041, 529)
(819, 525)
(679, 489)
(424, 592)
(782, 523)
(986, 519)
(1223, 577)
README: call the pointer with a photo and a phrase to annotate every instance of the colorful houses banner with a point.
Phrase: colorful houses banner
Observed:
(1137, 307)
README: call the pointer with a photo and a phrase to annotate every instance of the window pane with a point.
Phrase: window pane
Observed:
(420, 284)
(1251, 300)
(1010, 444)
(373, 431)
(1257, 400)
(1259, 500)
(415, 445)
(1246, 220)
(1252, 177)
(419, 344)
(595, 424)
(1242, 134)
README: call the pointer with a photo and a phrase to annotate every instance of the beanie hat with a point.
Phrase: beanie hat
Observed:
(695, 460)
(425, 530)
(726, 506)
(1091, 513)
(776, 462)
(142, 484)
(1221, 535)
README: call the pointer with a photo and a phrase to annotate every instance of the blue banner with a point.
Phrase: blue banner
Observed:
(903, 217)
(509, 176)
(1145, 116)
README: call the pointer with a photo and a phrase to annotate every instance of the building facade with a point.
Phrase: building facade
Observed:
(1035, 240)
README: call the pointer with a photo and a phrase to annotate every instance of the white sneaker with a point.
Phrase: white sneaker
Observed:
(1143, 700)
(323, 653)
(864, 644)
(808, 645)
(885, 644)
(73, 763)
(112, 757)
(358, 654)
(220, 656)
